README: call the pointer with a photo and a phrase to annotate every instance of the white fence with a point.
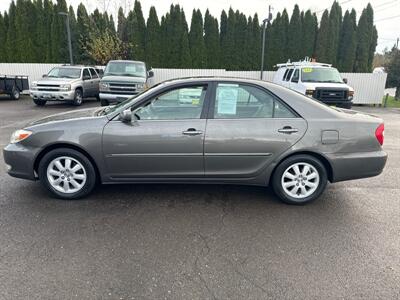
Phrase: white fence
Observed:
(369, 87)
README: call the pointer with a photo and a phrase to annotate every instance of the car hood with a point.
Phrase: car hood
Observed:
(127, 79)
(49, 80)
(330, 85)
(70, 115)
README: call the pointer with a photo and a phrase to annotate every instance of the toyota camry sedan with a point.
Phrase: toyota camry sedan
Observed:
(202, 130)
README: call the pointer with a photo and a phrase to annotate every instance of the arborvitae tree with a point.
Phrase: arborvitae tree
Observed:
(295, 35)
(392, 67)
(185, 57)
(255, 50)
(121, 27)
(3, 33)
(137, 31)
(310, 27)
(196, 41)
(229, 51)
(223, 39)
(152, 40)
(323, 39)
(84, 29)
(48, 19)
(211, 40)
(335, 22)
(283, 41)
(240, 48)
(347, 42)
(372, 48)
(74, 34)
(365, 40)
(11, 33)
(59, 50)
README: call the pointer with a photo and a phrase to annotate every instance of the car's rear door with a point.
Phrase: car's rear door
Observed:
(166, 142)
(247, 128)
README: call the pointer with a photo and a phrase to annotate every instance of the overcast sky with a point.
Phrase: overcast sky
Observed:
(387, 12)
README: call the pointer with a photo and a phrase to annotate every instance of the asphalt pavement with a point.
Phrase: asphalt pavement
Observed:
(199, 242)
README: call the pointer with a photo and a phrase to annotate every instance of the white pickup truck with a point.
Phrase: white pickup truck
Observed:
(317, 80)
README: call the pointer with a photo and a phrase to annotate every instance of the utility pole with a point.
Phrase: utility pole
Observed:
(265, 22)
(397, 43)
(69, 35)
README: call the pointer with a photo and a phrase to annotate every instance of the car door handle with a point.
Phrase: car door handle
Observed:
(288, 130)
(192, 131)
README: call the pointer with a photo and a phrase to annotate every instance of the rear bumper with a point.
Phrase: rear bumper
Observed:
(55, 96)
(348, 166)
(20, 161)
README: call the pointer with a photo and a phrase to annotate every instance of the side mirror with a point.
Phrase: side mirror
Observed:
(345, 80)
(126, 116)
(151, 73)
(44, 75)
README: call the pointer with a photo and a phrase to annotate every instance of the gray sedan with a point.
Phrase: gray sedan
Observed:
(202, 130)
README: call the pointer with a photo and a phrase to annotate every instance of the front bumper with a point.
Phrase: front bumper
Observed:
(349, 166)
(117, 97)
(53, 95)
(20, 161)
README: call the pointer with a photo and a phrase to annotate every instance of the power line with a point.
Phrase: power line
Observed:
(342, 2)
(383, 4)
(388, 18)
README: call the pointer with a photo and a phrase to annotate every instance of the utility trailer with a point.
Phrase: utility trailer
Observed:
(13, 85)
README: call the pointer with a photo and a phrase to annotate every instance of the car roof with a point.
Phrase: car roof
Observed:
(125, 60)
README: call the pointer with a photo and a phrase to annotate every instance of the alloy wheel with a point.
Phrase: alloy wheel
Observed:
(300, 180)
(66, 175)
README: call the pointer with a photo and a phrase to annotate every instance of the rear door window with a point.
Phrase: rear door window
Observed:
(240, 101)
(93, 73)
(289, 74)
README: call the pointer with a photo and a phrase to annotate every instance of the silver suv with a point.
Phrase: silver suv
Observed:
(66, 83)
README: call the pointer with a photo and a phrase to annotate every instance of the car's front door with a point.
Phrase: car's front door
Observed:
(247, 128)
(165, 140)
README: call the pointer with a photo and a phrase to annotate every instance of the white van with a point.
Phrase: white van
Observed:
(317, 80)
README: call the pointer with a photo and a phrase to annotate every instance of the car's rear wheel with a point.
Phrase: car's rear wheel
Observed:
(67, 174)
(299, 179)
(39, 102)
(78, 97)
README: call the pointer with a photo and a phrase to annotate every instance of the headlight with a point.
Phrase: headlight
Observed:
(310, 92)
(66, 87)
(19, 136)
(34, 85)
(351, 95)
(104, 86)
(140, 86)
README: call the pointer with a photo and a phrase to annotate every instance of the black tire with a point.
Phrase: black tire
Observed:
(90, 172)
(78, 97)
(104, 102)
(346, 105)
(287, 163)
(15, 93)
(98, 98)
(39, 102)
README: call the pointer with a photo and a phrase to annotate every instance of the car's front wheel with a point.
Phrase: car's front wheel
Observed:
(299, 179)
(78, 97)
(67, 174)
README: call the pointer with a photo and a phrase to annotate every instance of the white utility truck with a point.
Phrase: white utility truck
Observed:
(318, 80)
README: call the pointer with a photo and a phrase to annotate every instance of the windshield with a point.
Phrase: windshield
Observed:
(65, 73)
(320, 75)
(123, 68)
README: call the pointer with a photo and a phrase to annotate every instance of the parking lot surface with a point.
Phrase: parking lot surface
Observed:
(199, 242)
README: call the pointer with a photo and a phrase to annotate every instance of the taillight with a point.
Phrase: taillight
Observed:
(380, 133)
